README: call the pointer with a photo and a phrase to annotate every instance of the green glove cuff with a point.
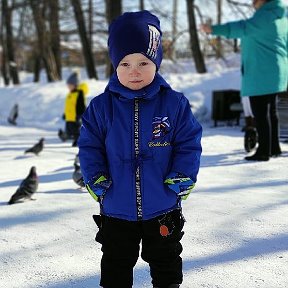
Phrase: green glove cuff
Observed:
(95, 197)
(184, 195)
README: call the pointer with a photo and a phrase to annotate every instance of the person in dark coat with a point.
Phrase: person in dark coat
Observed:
(139, 151)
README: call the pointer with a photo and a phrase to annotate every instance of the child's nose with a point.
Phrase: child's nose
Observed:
(134, 70)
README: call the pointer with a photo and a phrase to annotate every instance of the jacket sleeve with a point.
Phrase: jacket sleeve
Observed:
(242, 28)
(91, 143)
(187, 142)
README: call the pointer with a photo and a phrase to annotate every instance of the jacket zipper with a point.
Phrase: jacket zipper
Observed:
(137, 170)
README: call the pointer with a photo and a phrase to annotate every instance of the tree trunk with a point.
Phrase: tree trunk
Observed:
(9, 42)
(113, 10)
(219, 20)
(174, 26)
(194, 41)
(55, 34)
(45, 49)
(37, 68)
(141, 5)
(90, 23)
(86, 47)
(4, 70)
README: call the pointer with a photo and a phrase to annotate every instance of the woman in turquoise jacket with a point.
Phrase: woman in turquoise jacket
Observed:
(264, 42)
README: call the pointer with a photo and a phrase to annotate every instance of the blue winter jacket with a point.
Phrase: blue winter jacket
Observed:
(138, 138)
(264, 48)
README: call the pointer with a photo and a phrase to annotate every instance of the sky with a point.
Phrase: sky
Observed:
(236, 230)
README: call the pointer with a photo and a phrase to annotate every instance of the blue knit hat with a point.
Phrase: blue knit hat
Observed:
(135, 32)
(73, 79)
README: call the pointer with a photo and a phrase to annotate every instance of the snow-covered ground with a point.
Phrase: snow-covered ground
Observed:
(236, 234)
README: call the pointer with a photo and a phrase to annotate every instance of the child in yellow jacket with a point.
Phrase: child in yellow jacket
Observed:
(74, 108)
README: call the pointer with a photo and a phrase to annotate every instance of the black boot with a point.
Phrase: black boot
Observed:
(62, 135)
(257, 157)
(276, 154)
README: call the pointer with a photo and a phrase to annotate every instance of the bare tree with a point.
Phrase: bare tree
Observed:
(9, 47)
(55, 34)
(90, 22)
(86, 46)
(141, 5)
(4, 61)
(194, 41)
(219, 20)
(174, 25)
(26, 46)
(113, 10)
(240, 8)
(45, 50)
(37, 65)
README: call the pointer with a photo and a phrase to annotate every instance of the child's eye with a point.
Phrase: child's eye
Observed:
(143, 63)
(124, 64)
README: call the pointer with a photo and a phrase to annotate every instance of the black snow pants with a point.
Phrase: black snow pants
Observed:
(264, 109)
(73, 130)
(121, 239)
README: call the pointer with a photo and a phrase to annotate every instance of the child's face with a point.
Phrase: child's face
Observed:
(71, 87)
(136, 71)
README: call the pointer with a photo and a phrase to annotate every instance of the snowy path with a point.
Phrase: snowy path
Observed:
(236, 235)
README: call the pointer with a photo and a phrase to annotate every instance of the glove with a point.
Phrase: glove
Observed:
(98, 185)
(180, 184)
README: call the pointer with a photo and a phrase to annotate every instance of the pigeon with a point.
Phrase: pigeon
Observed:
(77, 160)
(77, 174)
(13, 115)
(27, 187)
(37, 148)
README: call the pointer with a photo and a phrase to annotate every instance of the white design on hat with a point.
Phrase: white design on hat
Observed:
(154, 42)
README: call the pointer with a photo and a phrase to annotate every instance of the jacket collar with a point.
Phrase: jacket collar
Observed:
(147, 92)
